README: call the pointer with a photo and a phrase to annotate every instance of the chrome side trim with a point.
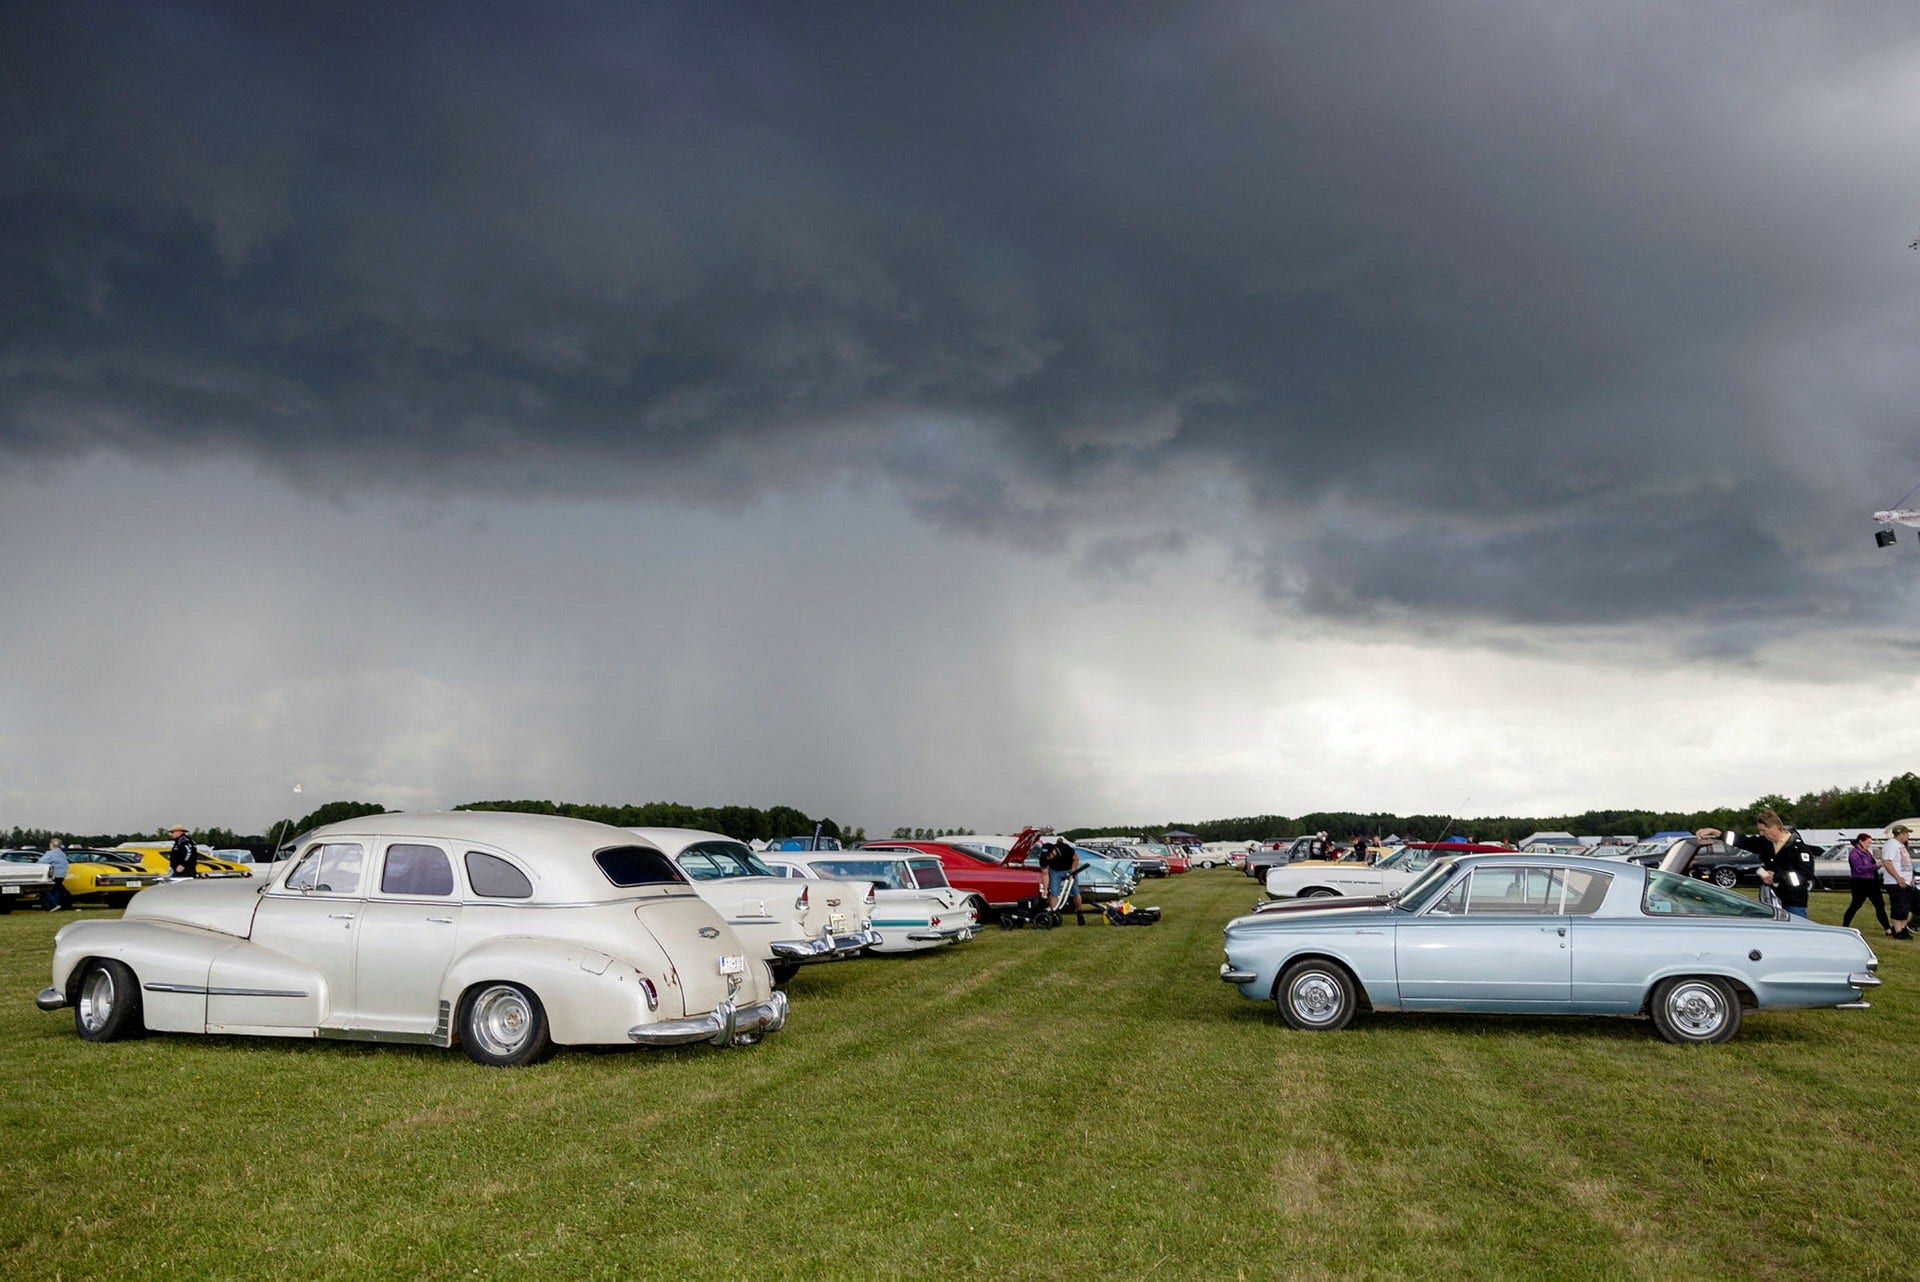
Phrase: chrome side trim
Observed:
(221, 992)
(375, 1035)
(443, 1027)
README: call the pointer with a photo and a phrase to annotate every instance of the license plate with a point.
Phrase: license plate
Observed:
(732, 965)
(9, 890)
(837, 922)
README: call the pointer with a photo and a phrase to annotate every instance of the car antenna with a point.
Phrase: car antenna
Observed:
(273, 836)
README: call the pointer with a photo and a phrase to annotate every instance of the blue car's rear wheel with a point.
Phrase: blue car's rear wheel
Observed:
(1315, 996)
(1696, 1010)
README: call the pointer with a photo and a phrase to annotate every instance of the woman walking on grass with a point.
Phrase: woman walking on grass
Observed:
(1863, 878)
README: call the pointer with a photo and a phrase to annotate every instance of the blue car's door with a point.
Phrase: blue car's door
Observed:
(1496, 941)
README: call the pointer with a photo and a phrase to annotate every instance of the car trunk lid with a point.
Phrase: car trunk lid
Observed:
(697, 942)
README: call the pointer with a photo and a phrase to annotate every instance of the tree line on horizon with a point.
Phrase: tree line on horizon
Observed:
(1873, 805)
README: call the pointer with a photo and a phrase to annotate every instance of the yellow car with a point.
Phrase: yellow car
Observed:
(100, 875)
(154, 856)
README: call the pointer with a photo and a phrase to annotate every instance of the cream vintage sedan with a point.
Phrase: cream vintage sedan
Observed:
(507, 934)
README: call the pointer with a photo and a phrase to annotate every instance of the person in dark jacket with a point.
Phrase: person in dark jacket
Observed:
(185, 856)
(1863, 878)
(1786, 862)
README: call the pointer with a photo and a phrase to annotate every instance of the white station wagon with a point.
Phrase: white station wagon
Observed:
(914, 906)
(506, 933)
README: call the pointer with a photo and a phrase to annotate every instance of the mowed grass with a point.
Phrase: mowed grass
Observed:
(1031, 1104)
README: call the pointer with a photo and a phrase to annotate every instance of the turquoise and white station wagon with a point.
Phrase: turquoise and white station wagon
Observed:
(1542, 934)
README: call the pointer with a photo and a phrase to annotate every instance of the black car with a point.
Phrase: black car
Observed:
(1713, 861)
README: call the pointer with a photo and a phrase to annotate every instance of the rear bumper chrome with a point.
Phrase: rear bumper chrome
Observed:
(955, 933)
(1229, 975)
(724, 1025)
(1854, 1006)
(824, 947)
(1864, 980)
(50, 999)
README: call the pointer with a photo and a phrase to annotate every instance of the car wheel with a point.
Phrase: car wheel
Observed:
(1728, 877)
(1696, 1011)
(107, 1005)
(783, 971)
(1319, 892)
(118, 901)
(504, 1026)
(1315, 996)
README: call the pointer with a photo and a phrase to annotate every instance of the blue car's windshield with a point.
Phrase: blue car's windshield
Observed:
(1414, 896)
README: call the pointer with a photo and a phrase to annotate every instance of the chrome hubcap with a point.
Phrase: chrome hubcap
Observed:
(502, 1020)
(1314, 997)
(1696, 1010)
(96, 999)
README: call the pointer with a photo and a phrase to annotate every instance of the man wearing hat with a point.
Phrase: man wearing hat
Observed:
(185, 856)
(1896, 869)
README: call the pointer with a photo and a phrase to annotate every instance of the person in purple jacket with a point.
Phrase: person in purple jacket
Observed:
(1863, 877)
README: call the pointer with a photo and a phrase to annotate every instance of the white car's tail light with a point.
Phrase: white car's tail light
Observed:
(934, 922)
(653, 994)
(800, 904)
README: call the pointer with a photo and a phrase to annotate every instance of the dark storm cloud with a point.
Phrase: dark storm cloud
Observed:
(1508, 311)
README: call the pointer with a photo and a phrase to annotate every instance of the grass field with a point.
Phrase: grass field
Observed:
(1081, 1102)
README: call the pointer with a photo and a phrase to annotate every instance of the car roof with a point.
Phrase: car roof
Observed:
(1461, 847)
(675, 840)
(558, 850)
(1520, 858)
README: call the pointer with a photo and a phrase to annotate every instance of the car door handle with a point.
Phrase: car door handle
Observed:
(341, 916)
(1558, 930)
(444, 921)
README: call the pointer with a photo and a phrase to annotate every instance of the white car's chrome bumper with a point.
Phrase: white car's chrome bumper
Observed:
(725, 1025)
(50, 999)
(954, 933)
(825, 947)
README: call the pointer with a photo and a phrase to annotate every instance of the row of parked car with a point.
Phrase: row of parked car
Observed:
(105, 877)
(510, 934)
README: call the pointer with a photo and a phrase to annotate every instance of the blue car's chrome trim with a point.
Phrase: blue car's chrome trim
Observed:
(1232, 976)
(1864, 980)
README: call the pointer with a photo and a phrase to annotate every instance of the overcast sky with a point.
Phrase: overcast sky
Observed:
(1003, 414)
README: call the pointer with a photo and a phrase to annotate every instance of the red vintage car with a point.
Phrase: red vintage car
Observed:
(995, 884)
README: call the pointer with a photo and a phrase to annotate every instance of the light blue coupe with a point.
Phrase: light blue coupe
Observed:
(1544, 934)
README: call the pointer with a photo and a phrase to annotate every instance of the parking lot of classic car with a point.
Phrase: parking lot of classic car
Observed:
(1539, 934)
(784, 925)
(507, 934)
(96, 876)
